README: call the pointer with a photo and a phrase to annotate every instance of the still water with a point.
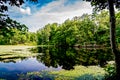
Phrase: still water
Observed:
(15, 61)
(12, 70)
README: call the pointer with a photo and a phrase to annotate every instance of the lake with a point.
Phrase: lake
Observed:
(16, 60)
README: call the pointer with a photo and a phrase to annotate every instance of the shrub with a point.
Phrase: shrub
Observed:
(110, 69)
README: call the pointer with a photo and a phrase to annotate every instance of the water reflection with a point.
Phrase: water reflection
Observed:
(14, 62)
(19, 61)
(11, 71)
(69, 57)
(57, 57)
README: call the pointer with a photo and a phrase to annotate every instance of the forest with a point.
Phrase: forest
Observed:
(91, 29)
(86, 28)
(13, 33)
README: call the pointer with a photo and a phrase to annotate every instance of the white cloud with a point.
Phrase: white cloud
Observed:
(55, 11)
(26, 11)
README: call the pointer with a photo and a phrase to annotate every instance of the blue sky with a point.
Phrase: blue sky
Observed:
(36, 15)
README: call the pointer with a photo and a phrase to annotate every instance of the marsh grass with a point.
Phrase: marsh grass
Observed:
(78, 73)
(15, 53)
(81, 73)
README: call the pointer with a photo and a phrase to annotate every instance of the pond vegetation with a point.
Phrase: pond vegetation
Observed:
(14, 53)
(78, 73)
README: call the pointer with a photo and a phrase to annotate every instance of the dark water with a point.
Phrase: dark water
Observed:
(69, 57)
(55, 59)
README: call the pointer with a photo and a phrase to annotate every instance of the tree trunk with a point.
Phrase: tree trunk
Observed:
(113, 37)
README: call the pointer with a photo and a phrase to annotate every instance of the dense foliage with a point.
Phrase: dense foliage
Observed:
(79, 30)
(15, 33)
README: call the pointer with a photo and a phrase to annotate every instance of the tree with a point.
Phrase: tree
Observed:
(100, 5)
(4, 7)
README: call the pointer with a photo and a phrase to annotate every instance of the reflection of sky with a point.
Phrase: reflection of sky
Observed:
(11, 69)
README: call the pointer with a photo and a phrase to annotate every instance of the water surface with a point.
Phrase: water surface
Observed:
(20, 60)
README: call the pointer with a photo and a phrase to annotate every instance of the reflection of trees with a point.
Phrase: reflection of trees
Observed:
(54, 57)
(69, 57)
(65, 57)
(94, 57)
